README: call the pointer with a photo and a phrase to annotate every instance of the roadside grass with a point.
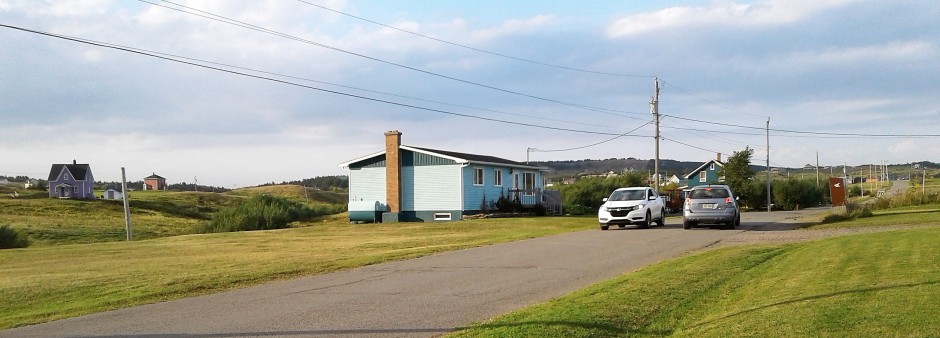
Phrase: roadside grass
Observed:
(52, 221)
(42, 284)
(154, 214)
(911, 215)
(871, 285)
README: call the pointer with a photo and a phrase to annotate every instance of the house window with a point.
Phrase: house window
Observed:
(442, 216)
(498, 177)
(702, 176)
(477, 176)
(712, 167)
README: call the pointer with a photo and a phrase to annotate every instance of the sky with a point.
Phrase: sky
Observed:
(294, 88)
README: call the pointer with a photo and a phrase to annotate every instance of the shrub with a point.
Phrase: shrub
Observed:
(577, 209)
(794, 194)
(11, 238)
(263, 212)
(590, 191)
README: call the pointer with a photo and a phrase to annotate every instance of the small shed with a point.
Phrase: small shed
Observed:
(112, 194)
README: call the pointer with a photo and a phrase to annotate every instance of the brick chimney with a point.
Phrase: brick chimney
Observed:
(393, 171)
(719, 157)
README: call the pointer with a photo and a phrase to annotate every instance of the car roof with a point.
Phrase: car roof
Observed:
(711, 186)
(632, 188)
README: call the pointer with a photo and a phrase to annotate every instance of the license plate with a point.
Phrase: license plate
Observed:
(710, 206)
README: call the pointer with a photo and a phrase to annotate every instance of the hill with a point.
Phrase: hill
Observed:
(295, 192)
(52, 221)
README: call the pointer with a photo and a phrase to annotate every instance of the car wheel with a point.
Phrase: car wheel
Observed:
(737, 221)
(686, 225)
(603, 227)
(662, 219)
(646, 221)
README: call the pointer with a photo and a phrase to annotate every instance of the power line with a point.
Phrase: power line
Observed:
(349, 87)
(808, 132)
(691, 146)
(234, 22)
(710, 102)
(474, 48)
(594, 144)
(131, 50)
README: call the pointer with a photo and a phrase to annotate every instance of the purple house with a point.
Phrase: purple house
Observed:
(71, 181)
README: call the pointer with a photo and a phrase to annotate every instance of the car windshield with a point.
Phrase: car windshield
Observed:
(710, 193)
(628, 195)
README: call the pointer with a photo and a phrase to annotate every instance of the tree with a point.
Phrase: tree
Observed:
(737, 171)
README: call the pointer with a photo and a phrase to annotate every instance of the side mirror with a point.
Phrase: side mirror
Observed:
(652, 198)
(737, 198)
(604, 200)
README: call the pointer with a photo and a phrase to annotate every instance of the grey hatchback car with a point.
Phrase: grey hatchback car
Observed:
(712, 204)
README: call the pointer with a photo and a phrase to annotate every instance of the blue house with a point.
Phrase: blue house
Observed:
(406, 183)
(71, 181)
(705, 174)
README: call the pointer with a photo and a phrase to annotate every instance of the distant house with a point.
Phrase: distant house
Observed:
(154, 182)
(71, 181)
(405, 183)
(705, 174)
(4, 181)
(112, 194)
(30, 183)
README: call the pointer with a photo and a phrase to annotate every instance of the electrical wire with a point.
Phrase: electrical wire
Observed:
(234, 22)
(598, 143)
(131, 50)
(473, 48)
(807, 132)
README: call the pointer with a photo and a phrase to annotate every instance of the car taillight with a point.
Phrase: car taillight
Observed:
(688, 201)
(728, 200)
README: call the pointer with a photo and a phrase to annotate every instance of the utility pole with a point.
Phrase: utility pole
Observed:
(127, 207)
(817, 168)
(654, 108)
(767, 130)
(527, 151)
(196, 183)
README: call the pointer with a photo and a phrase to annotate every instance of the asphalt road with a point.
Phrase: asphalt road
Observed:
(420, 297)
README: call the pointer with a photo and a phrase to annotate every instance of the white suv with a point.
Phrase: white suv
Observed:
(638, 206)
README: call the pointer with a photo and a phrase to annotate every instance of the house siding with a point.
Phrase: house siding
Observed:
(82, 189)
(431, 187)
(367, 184)
(474, 194)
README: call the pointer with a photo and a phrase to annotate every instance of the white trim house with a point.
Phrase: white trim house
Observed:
(407, 183)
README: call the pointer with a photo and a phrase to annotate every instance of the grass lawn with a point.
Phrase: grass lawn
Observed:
(154, 214)
(872, 285)
(908, 215)
(52, 221)
(45, 283)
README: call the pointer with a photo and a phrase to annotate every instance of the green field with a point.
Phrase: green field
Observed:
(53, 282)
(874, 285)
(154, 214)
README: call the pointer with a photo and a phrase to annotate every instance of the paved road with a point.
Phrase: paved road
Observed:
(420, 297)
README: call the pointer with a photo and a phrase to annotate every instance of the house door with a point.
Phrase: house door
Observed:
(64, 191)
(515, 180)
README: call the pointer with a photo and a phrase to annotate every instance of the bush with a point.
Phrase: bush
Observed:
(589, 192)
(577, 210)
(11, 238)
(263, 212)
(794, 194)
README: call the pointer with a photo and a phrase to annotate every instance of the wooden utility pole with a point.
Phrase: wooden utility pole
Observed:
(767, 130)
(127, 206)
(654, 108)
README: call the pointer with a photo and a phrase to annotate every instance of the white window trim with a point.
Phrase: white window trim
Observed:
(482, 176)
(702, 176)
(497, 177)
(442, 216)
(712, 167)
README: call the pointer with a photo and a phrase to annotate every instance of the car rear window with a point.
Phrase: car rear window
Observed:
(710, 193)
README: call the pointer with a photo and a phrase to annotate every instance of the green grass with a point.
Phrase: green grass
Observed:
(914, 215)
(41, 284)
(873, 285)
(154, 214)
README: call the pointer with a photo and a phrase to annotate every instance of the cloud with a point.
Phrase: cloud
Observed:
(768, 13)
